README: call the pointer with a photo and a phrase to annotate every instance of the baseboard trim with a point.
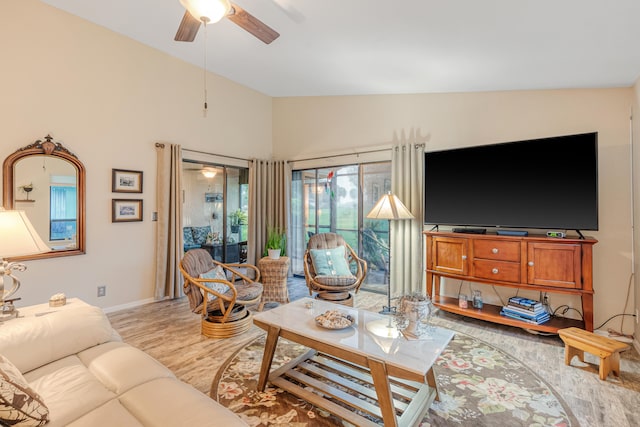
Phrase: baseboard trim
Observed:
(129, 305)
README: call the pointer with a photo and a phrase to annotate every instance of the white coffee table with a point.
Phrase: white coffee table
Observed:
(367, 366)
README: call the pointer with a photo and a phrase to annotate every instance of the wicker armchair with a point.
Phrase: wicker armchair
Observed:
(221, 297)
(335, 286)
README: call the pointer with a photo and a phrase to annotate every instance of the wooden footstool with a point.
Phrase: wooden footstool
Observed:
(577, 341)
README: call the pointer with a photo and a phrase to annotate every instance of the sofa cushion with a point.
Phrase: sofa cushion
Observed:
(330, 262)
(19, 403)
(111, 413)
(120, 367)
(31, 342)
(69, 389)
(182, 405)
(200, 234)
(187, 236)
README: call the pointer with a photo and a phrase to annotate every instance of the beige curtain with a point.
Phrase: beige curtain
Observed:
(269, 202)
(407, 165)
(169, 247)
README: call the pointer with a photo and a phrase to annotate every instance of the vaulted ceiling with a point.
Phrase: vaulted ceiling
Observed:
(357, 47)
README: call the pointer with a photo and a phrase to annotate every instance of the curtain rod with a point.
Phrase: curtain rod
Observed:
(219, 155)
(294, 160)
(341, 155)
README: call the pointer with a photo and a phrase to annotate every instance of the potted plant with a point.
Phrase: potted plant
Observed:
(276, 243)
(237, 218)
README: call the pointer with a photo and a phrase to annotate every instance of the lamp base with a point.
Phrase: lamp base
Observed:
(387, 310)
(8, 311)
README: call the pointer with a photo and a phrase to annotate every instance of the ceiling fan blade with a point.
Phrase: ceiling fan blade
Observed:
(250, 23)
(188, 28)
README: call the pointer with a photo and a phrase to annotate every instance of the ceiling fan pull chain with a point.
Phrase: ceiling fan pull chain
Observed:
(205, 69)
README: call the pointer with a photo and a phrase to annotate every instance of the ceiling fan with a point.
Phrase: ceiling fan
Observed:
(209, 11)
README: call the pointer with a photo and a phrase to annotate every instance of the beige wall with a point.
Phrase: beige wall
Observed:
(636, 207)
(109, 99)
(310, 126)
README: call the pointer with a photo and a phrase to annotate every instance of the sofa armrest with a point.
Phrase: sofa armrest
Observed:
(31, 342)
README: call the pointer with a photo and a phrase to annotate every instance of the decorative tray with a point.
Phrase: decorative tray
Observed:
(334, 319)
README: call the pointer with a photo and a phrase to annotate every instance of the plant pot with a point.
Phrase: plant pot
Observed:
(235, 228)
(274, 253)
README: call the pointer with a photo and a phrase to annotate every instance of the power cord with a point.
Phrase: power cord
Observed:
(613, 317)
(499, 296)
(565, 309)
(545, 303)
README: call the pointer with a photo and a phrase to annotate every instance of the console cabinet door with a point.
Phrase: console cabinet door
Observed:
(449, 255)
(553, 264)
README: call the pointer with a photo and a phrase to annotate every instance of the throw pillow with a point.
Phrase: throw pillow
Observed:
(330, 262)
(200, 234)
(215, 273)
(19, 404)
(187, 237)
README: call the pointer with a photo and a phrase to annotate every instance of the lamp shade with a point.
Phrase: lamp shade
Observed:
(211, 10)
(17, 235)
(391, 208)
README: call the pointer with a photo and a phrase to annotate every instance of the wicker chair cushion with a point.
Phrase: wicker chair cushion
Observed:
(195, 262)
(336, 280)
(248, 291)
(325, 240)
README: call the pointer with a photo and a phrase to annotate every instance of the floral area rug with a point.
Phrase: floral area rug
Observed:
(479, 385)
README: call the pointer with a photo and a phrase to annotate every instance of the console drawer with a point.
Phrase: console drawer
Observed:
(496, 249)
(497, 270)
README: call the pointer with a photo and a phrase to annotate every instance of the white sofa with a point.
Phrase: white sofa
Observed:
(86, 375)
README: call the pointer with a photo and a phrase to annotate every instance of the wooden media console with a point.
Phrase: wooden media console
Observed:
(537, 263)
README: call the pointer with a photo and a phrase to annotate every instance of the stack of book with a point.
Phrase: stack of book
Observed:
(526, 310)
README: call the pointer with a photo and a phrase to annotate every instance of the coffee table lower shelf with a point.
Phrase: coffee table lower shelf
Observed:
(491, 313)
(347, 390)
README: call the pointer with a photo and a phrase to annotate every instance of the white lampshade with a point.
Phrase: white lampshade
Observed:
(389, 207)
(17, 235)
(208, 11)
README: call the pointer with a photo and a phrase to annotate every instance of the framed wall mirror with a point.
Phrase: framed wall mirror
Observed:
(47, 181)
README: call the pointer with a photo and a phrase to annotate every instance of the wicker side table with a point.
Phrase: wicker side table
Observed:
(273, 273)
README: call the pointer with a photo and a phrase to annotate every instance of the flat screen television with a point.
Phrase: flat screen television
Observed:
(548, 183)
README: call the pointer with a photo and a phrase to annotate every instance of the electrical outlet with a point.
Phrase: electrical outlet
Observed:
(102, 291)
(637, 319)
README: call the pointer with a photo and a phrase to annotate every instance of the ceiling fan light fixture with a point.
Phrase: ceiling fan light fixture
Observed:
(209, 173)
(208, 11)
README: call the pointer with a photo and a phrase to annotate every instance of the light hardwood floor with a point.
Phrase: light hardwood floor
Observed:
(170, 332)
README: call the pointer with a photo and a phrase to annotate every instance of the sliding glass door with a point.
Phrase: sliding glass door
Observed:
(216, 202)
(337, 200)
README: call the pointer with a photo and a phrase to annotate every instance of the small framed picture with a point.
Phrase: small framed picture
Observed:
(125, 181)
(126, 210)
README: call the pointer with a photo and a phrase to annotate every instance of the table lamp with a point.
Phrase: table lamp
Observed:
(17, 238)
(389, 207)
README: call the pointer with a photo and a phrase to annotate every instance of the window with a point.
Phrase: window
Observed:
(63, 212)
(338, 200)
(216, 203)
